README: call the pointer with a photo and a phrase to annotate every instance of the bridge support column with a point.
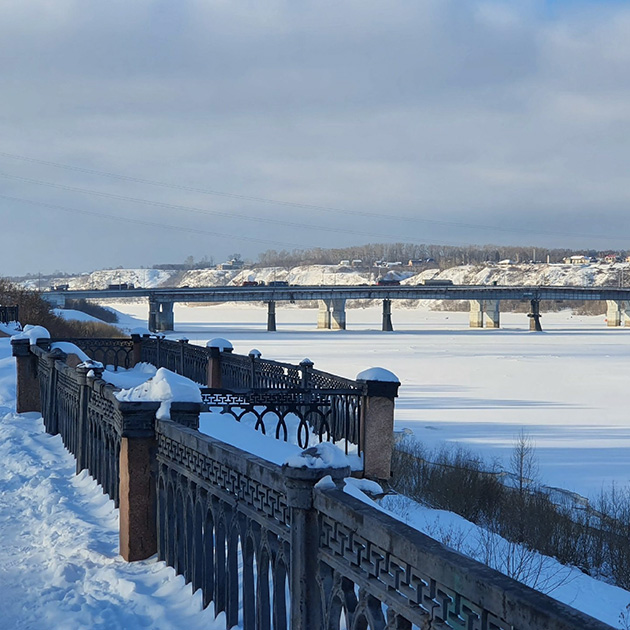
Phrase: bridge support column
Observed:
(613, 313)
(492, 314)
(323, 316)
(338, 315)
(387, 316)
(534, 315)
(476, 314)
(271, 316)
(625, 310)
(164, 317)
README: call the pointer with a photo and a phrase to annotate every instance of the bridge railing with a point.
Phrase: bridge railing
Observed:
(269, 545)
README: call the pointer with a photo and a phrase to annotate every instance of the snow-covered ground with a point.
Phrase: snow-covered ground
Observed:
(565, 387)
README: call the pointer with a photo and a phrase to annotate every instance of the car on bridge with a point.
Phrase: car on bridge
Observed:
(387, 282)
(278, 283)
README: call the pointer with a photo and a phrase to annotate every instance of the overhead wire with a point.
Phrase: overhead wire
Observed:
(181, 228)
(193, 209)
(322, 208)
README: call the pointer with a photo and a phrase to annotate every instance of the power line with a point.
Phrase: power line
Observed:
(322, 208)
(193, 209)
(181, 228)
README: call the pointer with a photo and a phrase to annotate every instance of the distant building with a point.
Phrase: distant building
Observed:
(357, 262)
(415, 263)
(231, 264)
(344, 263)
(611, 258)
(578, 259)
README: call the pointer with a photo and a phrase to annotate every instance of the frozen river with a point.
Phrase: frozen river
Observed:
(567, 387)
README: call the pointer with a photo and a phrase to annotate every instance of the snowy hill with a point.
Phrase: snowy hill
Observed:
(595, 274)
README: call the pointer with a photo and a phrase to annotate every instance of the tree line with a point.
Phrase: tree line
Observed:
(441, 255)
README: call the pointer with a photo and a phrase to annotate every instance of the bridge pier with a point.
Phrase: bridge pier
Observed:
(493, 313)
(271, 316)
(338, 315)
(387, 316)
(476, 314)
(323, 316)
(613, 313)
(164, 318)
(332, 314)
(534, 315)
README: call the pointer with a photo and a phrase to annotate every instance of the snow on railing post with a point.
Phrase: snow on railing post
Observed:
(301, 474)
(168, 396)
(28, 391)
(377, 421)
(216, 347)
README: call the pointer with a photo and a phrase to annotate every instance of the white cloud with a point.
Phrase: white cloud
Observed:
(478, 110)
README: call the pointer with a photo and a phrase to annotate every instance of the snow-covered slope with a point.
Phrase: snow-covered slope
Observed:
(596, 274)
(149, 278)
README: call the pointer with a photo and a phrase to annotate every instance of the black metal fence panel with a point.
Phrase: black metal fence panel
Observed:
(224, 524)
(114, 352)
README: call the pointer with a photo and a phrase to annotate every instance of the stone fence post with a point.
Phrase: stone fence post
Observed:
(216, 346)
(377, 422)
(136, 353)
(27, 395)
(28, 391)
(138, 473)
(306, 594)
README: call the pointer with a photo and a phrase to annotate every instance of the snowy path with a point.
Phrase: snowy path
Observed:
(59, 562)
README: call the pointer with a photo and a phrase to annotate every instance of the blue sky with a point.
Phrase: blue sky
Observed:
(326, 123)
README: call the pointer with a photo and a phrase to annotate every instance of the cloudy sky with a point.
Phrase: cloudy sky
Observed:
(143, 132)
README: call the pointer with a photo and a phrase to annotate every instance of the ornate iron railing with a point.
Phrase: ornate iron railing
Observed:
(299, 416)
(270, 548)
(224, 524)
(269, 545)
(114, 352)
(178, 356)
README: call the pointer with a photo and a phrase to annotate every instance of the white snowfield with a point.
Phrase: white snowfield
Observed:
(566, 387)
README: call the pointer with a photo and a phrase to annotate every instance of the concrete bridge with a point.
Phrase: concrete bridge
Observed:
(484, 300)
